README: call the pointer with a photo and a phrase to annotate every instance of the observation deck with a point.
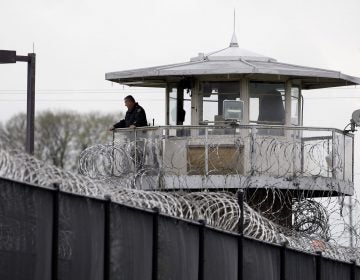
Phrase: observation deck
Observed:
(316, 161)
(234, 119)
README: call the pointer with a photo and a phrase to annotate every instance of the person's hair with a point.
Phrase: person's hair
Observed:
(130, 97)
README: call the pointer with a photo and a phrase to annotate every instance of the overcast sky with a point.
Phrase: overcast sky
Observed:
(78, 41)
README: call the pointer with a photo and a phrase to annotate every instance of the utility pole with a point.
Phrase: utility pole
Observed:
(11, 57)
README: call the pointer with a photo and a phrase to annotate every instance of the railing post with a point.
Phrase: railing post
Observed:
(302, 156)
(201, 249)
(55, 233)
(344, 157)
(294, 157)
(107, 244)
(240, 197)
(333, 155)
(155, 244)
(113, 152)
(318, 264)
(252, 151)
(135, 147)
(283, 261)
(206, 152)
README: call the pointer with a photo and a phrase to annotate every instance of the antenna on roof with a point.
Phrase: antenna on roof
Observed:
(234, 19)
(234, 42)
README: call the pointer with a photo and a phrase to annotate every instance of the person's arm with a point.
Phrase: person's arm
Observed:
(120, 124)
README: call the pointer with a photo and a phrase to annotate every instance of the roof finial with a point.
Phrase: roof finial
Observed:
(234, 42)
(234, 19)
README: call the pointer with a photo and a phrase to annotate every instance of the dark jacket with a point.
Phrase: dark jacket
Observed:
(135, 117)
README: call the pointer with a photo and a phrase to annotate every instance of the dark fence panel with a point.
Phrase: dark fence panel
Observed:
(357, 273)
(178, 250)
(81, 238)
(335, 270)
(184, 250)
(299, 266)
(25, 232)
(130, 243)
(261, 261)
(221, 256)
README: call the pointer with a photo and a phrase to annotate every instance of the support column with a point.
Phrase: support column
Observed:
(167, 105)
(288, 85)
(245, 96)
(195, 104)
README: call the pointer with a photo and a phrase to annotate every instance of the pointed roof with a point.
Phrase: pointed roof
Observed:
(234, 42)
(236, 62)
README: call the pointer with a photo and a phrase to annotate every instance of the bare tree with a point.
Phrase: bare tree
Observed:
(59, 136)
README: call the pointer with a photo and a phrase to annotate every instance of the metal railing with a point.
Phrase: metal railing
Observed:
(276, 151)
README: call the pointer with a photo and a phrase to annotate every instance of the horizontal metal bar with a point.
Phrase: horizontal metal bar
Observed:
(241, 126)
(22, 58)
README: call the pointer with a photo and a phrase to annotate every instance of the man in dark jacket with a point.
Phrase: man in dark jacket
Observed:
(135, 115)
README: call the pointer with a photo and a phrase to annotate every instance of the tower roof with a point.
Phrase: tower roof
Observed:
(233, 62)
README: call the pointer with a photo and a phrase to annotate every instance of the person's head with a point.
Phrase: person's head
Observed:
(129, 102)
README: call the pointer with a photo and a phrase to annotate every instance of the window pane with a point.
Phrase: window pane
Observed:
(267, 103)
(295, 105)
(172, 106)
(214, 94)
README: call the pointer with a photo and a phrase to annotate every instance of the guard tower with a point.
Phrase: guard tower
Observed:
(244, 113)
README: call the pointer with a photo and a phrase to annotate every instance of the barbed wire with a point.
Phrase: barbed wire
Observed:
(219, 209)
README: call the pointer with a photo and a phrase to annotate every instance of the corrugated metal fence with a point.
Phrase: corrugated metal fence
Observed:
(48, 234)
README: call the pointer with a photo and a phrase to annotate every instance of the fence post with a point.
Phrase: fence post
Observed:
(353, 270)
(107, 244)
(55, 233)
(155, 243)
(240, 197)
(201, 249)
(283, 261)
(318, 264)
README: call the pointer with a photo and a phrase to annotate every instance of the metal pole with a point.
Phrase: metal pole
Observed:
(252, 150)
(113, 153)
(350, 202)
(351, 229)
(30, 115)
(206, 153)
(333, 155)
(135, 147)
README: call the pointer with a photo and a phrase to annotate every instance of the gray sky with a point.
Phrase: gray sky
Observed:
(77, 42)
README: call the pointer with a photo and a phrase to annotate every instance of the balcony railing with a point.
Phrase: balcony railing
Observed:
(246, 150)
